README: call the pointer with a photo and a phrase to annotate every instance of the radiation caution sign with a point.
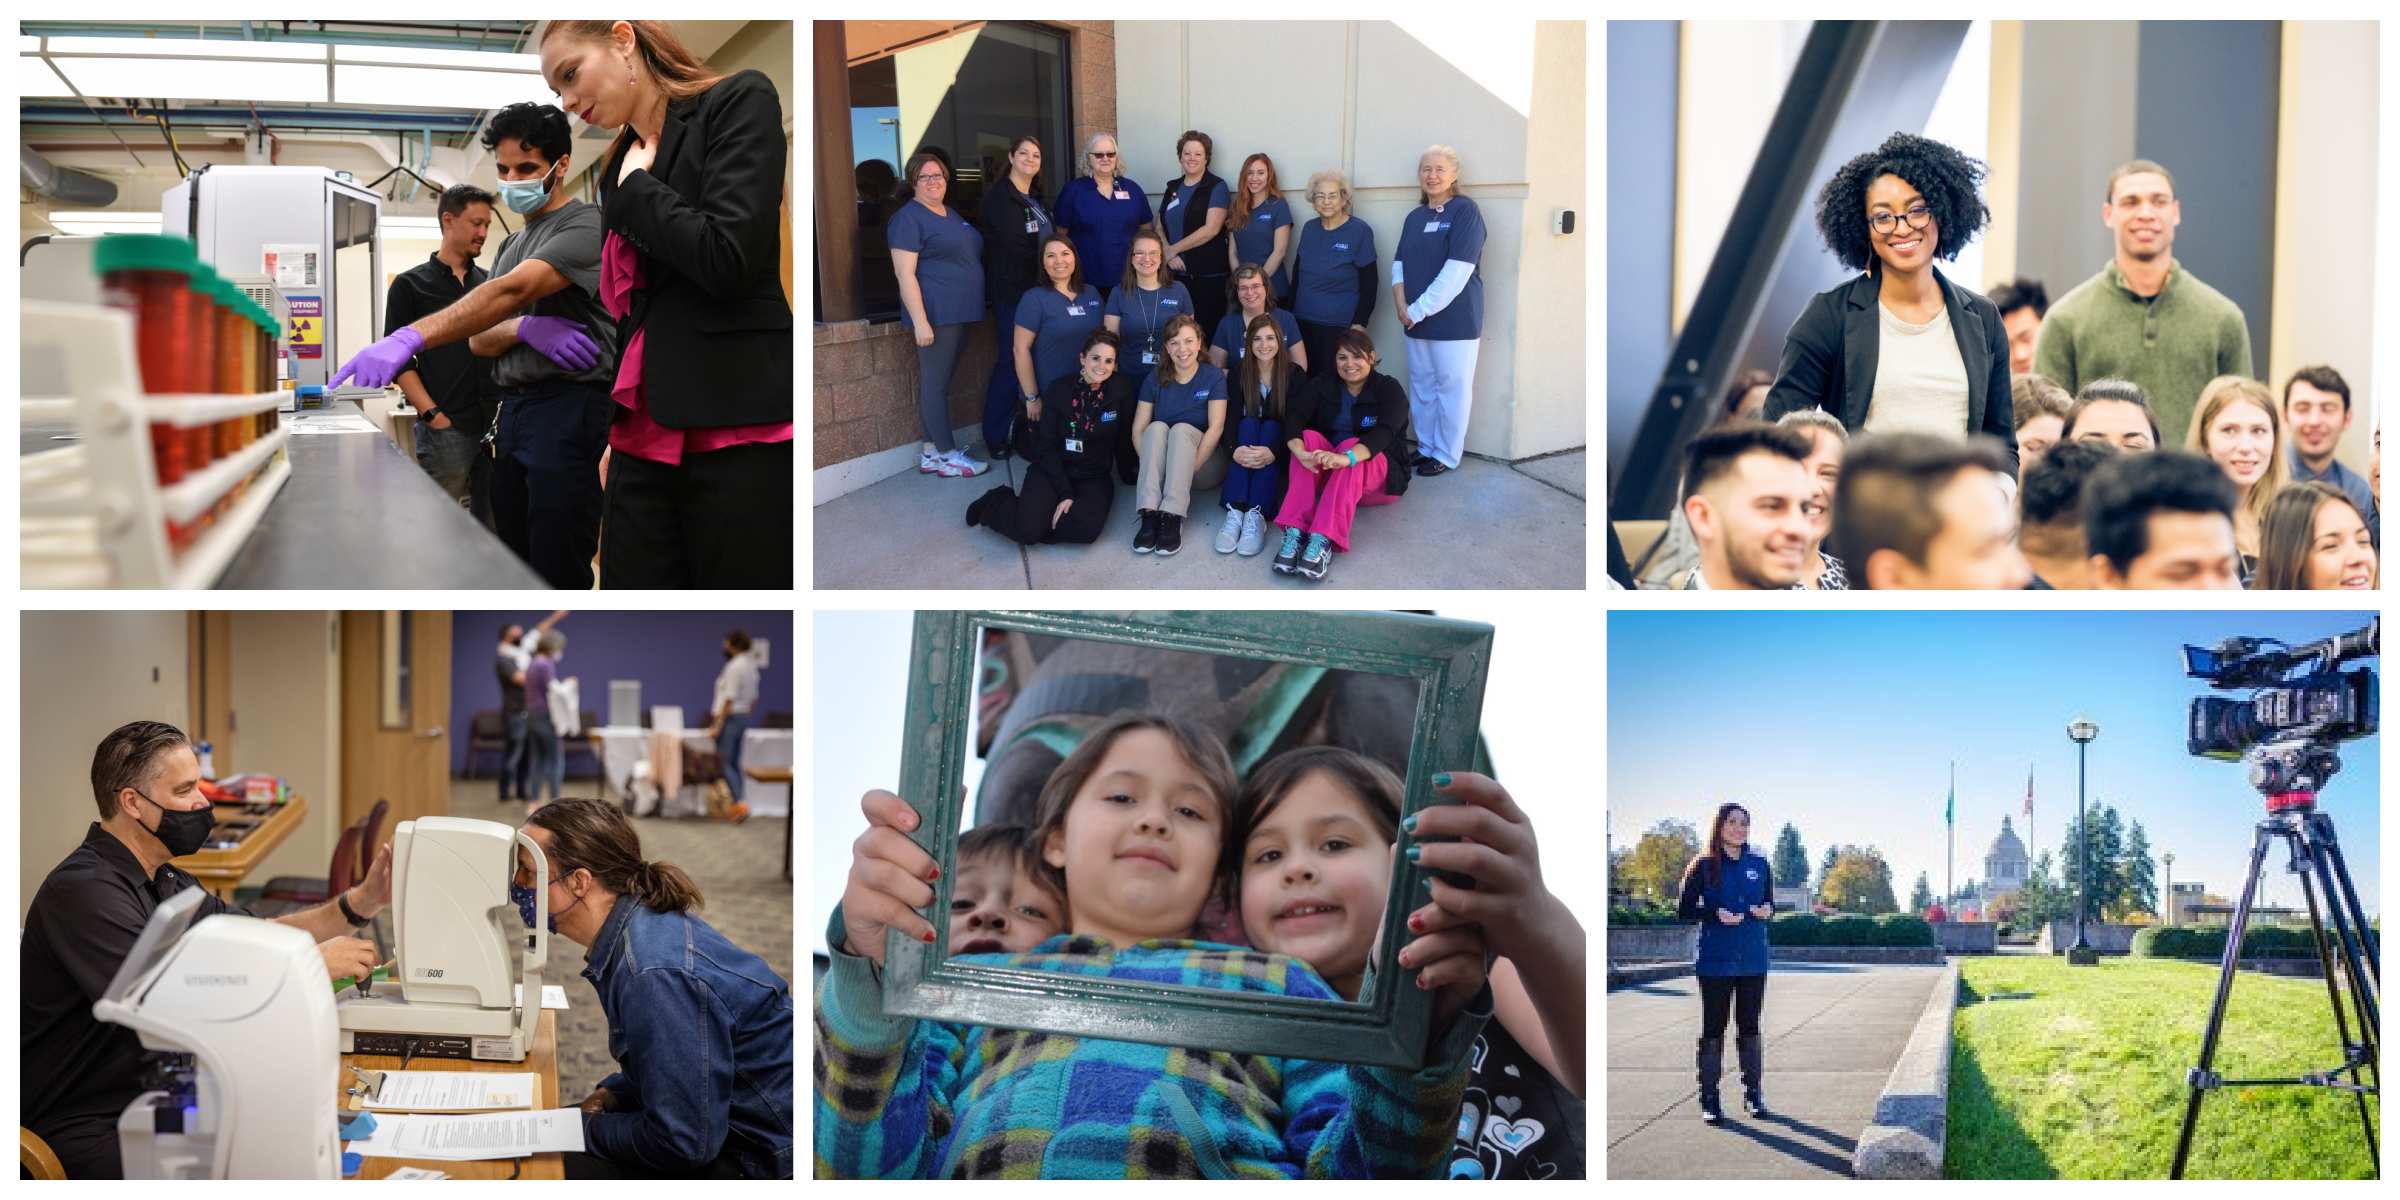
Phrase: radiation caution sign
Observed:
(306, 330)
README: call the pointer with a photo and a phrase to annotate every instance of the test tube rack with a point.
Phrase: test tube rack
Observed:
(94, 514)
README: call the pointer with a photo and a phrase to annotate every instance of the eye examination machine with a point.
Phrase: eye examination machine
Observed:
(243, 1005)
(462, 948)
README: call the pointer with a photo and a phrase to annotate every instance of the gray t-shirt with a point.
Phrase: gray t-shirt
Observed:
(569, 240)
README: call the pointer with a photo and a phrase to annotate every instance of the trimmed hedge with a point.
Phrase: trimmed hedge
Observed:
(1891, 929)
(2259, 941)
(1647, 914)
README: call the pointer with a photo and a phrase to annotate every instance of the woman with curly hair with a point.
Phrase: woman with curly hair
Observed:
(1900, 347)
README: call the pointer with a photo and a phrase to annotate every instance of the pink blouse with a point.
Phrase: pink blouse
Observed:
(634, 432)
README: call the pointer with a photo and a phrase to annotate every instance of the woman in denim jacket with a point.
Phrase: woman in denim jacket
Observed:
(701, 1029)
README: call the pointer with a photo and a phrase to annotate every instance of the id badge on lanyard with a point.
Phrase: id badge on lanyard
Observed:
(1150, 352)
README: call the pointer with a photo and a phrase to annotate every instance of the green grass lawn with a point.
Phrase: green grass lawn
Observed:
(2085, 1079)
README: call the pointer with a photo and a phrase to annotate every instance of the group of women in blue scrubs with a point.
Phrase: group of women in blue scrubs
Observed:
(1101, 257)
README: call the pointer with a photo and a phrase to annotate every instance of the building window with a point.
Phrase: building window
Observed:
(963, 94)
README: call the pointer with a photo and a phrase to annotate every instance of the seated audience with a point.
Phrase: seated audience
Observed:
(2315, 538)
(1827, 442)
(1746, 495)
(2050, 515)
(2115, 411)
(1922, 511)
(2161, 520)
(1746, 397)
(2042, 408)
(2316, 404)
(2235, 427)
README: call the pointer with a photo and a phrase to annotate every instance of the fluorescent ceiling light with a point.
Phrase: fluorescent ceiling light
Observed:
(434, 87)
(35, 78)
(114, 47)
(412, 56)
(93, 224)
(184, 79)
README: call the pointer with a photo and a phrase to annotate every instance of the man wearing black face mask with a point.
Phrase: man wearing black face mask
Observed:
(77, 1073)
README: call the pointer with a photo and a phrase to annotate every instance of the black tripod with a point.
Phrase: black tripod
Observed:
(2289, 773)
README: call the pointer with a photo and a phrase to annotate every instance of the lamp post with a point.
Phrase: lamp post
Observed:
(2082, 729)
(2170, 913)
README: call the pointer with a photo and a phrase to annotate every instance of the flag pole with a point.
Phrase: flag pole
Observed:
(1950, 850)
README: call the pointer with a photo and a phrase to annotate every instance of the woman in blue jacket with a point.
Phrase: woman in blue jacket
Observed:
(1730, 891)
(1101, 209)
(701, 1029)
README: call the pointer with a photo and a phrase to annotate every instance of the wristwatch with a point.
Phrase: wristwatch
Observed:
(348, 913)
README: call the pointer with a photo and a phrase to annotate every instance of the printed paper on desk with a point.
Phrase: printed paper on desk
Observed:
(553, 996)
(473, 1137)
(453, 1091)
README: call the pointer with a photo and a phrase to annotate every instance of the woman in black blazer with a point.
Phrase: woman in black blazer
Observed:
(1901, 348)
(1343, 431)
(700, 470)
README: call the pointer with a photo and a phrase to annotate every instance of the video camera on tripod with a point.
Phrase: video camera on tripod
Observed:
(2321, 702)
(2304, 705)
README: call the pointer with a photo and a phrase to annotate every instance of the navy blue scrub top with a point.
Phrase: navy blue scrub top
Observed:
(949, 261)
(1231, 334)
(1325, 285)
(1142, 318)
(1059, 326)
(1102, 227)
(1430, 239)
(1254, 242)
(1185, 403)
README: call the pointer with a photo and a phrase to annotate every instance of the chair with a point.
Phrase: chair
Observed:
(487, 731)
(588, 744)
(354, 853)
(34, 1156)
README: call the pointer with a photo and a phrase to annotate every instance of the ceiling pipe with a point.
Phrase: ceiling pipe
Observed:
(62, 184)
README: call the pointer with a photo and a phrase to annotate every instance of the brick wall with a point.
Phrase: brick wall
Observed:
(865, 387)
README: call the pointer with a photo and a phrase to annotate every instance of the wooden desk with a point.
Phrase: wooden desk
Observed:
(543, 1062)
(220, 871)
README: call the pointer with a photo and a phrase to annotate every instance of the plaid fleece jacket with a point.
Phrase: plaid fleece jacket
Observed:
(902, 1098)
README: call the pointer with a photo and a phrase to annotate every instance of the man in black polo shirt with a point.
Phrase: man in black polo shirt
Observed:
(450, 387)
(78, 1074)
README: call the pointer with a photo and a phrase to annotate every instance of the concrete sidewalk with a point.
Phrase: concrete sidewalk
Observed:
(1487, 525)
(1833, 1032)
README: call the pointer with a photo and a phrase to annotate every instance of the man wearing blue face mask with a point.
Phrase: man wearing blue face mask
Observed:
(540, 317)
(78, 1074)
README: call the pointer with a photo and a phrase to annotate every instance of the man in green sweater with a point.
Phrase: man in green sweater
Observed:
(2144, 317)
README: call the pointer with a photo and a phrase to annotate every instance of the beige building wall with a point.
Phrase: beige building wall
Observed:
(287, 709)
(1368, 97)
(2326, 140)
(1548, 411)
(80, 675)
(1729, 79)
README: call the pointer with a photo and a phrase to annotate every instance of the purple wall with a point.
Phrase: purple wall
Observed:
(676, 655)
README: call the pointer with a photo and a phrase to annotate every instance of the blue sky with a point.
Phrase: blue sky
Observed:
(1846, 724)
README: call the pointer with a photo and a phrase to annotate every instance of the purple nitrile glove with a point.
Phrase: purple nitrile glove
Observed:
(377, 365)
(560, 340)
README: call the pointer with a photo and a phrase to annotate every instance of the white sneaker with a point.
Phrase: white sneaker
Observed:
(1254, 532)
(1229, 534)
(958, 464)
(929, 462)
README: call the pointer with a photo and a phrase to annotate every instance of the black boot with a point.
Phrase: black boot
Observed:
(1751, 1050)
(1711, 1063)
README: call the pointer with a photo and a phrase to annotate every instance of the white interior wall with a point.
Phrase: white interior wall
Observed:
(2327, 143)
(1368, 97)
(80, 675)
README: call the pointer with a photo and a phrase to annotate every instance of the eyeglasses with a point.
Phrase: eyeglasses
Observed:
(1315, 196)
(1104, 154)
(932, 177)
(1918, 218)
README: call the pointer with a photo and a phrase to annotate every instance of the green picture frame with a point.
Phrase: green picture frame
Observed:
(1448, 659)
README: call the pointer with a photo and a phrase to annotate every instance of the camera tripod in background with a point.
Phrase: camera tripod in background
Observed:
(2288, 772)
